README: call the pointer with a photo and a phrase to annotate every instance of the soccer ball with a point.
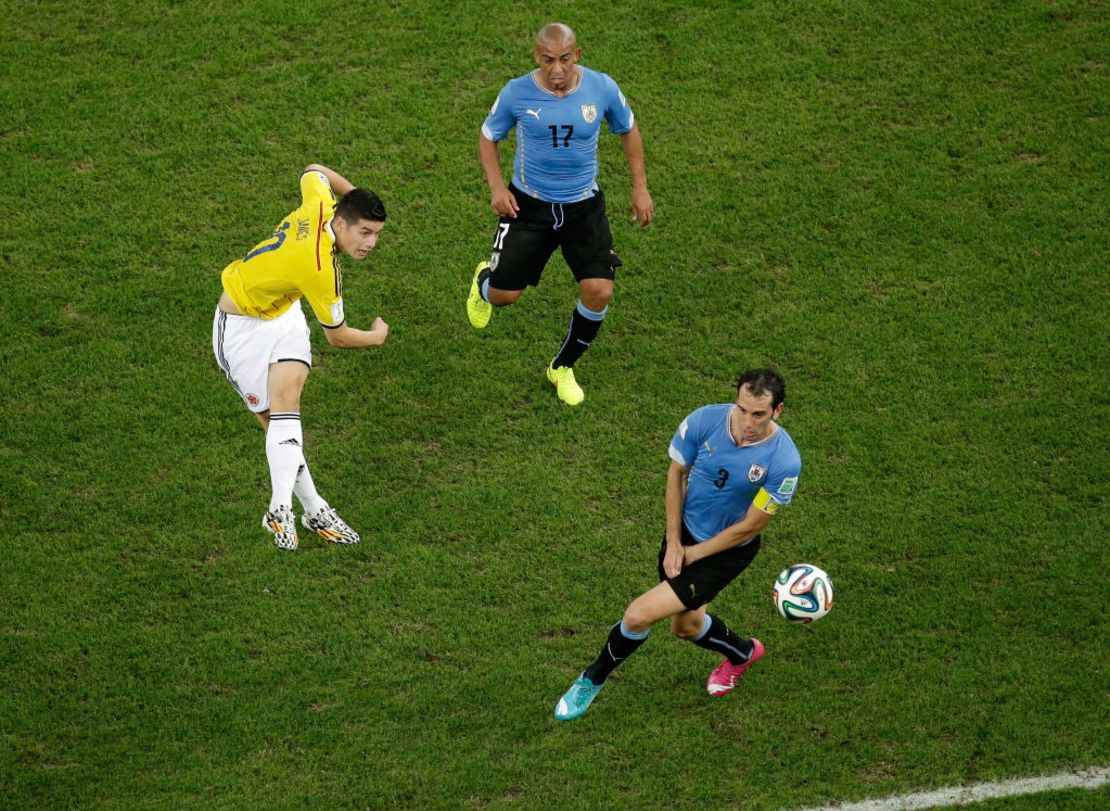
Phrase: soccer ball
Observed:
(803, 593)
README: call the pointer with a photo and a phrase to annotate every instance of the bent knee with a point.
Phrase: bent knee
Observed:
(285, 400)
(285, 394)
(686, 629)
(636, 620)
(597, 299)
(503, 298)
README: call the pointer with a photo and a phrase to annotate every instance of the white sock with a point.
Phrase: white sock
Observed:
(285, 454)
(305, 490)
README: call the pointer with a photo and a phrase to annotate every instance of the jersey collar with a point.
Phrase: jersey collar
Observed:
(728, 429)
(535, 80)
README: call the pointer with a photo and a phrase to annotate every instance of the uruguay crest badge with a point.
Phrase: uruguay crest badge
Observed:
(589, 113)
(756, 473)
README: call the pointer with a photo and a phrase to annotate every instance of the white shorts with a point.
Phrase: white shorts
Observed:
(245, 347)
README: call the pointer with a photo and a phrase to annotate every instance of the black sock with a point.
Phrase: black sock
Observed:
(580, 335)
(717, 637)
(618, 647)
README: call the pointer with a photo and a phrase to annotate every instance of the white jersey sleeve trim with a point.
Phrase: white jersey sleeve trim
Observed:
(676, 455)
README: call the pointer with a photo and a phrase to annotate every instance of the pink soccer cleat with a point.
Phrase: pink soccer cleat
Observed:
(726, 674)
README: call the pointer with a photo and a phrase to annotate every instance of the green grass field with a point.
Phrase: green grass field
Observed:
(903, 207)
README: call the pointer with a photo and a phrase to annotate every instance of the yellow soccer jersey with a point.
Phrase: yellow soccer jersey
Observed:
(297, 260)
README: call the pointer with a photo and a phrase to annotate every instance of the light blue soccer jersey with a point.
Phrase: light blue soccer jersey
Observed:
(556, 138)
(726, 479)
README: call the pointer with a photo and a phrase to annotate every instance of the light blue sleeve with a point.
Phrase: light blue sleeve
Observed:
(500, 120)
(782, 477)
(618, 115)
(684, 444)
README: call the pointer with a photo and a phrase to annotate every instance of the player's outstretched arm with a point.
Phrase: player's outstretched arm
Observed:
(347, 337)
(501, 200)
(754, 522)
(643, 209)
(339, 184)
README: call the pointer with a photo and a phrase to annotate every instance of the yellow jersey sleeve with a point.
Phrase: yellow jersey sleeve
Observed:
(323, 289)
(324, 294)
(764, 502)
(315, 187)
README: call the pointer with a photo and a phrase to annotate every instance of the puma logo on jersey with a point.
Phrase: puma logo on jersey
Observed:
(536, 113)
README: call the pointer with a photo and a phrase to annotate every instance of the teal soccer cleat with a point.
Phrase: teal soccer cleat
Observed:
(576, 700)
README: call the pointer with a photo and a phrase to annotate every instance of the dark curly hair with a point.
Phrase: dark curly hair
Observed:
(763, 381)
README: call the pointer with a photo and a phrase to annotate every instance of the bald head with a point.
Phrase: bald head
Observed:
(556, 53)
(555, 34)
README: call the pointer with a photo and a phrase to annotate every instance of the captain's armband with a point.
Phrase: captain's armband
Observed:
(764, 502)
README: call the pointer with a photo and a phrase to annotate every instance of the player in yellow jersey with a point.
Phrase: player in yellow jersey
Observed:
(260, 336)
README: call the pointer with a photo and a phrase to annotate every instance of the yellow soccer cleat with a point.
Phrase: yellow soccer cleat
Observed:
(565, 384)
(477, 309)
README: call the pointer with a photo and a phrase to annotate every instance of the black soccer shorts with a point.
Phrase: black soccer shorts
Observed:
(700, 582)
(522, 245)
